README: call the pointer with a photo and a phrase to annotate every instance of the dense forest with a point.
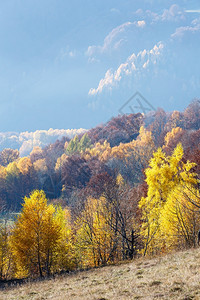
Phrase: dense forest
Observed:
(126, 188)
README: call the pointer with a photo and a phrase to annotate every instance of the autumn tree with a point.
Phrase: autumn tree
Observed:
(98, 183)
(7, 156)
(163, 175)
(28, 177)
(175, 120)
(157, 127)
(93, 235)
(121, 129)
(180, 218)
(38, 236)
(36, 154)
(51, 182)
(132, 158)
(20, 180)
(121, 206)
(6, 261)
(3, 190)
(108, 228)
(101, 151)
(75, 173)
(13, 186)
(172, 139)
(192, 115)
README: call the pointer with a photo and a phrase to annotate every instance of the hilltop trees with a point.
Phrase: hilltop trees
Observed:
(7, 156)
(121, 129)
(192, 115)
(123, 145)
(76, 145)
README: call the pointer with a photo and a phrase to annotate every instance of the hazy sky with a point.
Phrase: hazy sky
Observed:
(70, 64)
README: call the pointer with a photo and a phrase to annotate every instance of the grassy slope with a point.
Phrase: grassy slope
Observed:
(174, 276)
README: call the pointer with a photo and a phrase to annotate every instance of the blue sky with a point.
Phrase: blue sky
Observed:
(67, 64)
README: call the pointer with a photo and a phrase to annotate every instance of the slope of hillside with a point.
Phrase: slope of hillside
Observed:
(174, 276)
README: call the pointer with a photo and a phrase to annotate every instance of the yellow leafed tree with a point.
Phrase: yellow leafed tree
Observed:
(94, 237)
(39, 237)
(164, 174)
(180, 218)
(6, 262)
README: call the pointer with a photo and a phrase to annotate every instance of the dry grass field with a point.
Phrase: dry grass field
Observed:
(174, 276)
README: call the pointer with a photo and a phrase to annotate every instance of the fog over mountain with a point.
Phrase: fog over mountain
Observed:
(25, 141)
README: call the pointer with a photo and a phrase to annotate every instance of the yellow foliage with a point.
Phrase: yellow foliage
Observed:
(179, 218)
(38, 237)
(5, 253)
(120, 180)
(60, 161)
(172, 134)
(102, 151)
(40, 165)
(144, 138)
(139, 149)
(12, 169)
(2, 172)
(164, 174)
(24, 165)
(37, 150)
(93, 239)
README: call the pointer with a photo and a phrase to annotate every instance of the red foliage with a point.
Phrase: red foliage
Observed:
(121, 129)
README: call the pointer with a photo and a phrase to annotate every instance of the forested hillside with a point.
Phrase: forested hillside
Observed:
(126, 188)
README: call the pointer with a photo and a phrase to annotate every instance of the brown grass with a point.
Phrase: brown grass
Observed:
(174, 276)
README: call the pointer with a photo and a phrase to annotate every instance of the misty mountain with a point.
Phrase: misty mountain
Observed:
(25, 141)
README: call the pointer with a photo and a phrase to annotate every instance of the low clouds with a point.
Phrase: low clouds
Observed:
(173, 13)
(146, 59)
(26, 141)
(110, 40)
(115, 10)
(140, 23)
(134, 63)
(113, 40)
(107, 81)
(181, 31)
(66, 53)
